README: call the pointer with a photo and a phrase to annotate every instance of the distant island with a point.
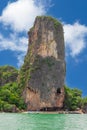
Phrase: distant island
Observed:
(39, 84)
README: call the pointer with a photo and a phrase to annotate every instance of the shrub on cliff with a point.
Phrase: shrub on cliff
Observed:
(73, 99)
(8, 74)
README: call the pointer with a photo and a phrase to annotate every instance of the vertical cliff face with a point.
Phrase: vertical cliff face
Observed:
(42, 75)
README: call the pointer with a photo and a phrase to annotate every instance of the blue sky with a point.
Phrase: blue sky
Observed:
(17, 17)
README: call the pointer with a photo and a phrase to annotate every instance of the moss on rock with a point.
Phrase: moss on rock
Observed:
(55, 21)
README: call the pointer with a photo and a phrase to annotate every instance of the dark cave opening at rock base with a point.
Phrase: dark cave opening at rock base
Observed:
(50, 109)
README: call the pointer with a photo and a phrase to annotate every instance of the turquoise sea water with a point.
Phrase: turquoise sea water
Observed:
(43, 121)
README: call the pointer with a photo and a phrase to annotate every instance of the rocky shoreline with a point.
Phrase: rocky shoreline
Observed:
(49, 112)
(55, 112)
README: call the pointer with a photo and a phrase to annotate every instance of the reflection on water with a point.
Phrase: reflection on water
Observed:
(43, 122)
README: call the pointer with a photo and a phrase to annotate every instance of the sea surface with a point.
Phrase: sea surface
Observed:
(30, 121)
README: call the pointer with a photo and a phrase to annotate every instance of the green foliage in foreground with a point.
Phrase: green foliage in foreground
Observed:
(10, 98)
(73, 99)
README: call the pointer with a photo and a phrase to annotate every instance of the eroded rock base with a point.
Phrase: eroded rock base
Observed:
(34, 102)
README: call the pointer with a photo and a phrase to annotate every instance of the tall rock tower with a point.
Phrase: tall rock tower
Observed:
(42, 75)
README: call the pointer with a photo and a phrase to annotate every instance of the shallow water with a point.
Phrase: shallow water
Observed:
(27, 121)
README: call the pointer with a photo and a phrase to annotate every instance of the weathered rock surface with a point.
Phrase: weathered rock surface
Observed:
(42, 75)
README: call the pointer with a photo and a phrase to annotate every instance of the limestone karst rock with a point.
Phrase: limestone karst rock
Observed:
(43, 72)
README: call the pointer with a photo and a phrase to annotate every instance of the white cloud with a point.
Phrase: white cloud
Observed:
(20, 58)
(13, 43)
(20, 15)
(75, 35)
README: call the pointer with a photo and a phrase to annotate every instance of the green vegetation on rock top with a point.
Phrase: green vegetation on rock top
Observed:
(55, 21)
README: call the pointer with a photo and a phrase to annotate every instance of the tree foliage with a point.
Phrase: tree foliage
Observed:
(73, 99)
(10, 97)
